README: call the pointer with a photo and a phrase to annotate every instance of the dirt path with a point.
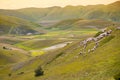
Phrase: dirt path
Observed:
(56, 46)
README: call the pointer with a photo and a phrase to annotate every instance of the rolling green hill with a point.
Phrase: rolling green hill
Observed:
(107, 12)
(14, 25)
(110, 12)
(15, 14)
(9, 56)
(77, 24)
(68, 64)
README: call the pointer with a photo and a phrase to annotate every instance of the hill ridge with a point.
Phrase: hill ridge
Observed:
(108, 12)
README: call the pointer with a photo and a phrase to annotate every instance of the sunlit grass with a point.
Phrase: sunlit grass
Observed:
(37, 53)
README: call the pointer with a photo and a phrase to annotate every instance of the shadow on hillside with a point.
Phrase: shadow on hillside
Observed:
(117, 77)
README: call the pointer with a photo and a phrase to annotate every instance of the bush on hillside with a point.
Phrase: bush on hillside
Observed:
(9, 74)
(97, 34)
(39, 71)
(117, 77)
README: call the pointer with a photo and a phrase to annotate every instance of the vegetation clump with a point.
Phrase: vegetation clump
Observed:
(117, 77)
(97, 34)
(20, 73)
(9, 74)
(39, 71)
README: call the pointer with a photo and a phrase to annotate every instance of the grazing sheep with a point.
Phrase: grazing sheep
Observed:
(89, 39)
(109, 32)
(99, 37)
(96, 44)
(104, 34)
(89, 51)
(104, 30)
(92, 50)
(95, 39)
(118, 28)
(84, 44)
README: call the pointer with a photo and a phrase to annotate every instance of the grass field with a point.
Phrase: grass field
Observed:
(66, 63)
(39, 42)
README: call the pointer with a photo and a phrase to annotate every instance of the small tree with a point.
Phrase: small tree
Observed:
(39, 71)
(9, 74)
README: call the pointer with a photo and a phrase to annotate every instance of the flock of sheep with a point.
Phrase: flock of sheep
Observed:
(94, 39)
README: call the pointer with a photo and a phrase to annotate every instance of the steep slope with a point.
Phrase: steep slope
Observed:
(76, 24)
(68, 64)
(13, 25)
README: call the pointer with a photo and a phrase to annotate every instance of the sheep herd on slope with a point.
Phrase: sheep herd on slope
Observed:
(94, 39)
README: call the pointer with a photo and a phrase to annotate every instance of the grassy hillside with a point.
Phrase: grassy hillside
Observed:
(107, 12)
(77, 24)
(68, 64)
(35, 13)
(38, 44)
(13, 55)
(13, 25)
(59, 54)
(15, 14)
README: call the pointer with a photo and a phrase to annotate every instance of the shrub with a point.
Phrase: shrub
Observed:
(9, 74)
(97, 34)
(20, 73)
(39, 71)
(117, 77)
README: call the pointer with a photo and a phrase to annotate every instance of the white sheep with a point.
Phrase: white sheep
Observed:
(89, 51)
(95, 39)
(118, 28)
(109, 32)
(104, 34)
(89, 39)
